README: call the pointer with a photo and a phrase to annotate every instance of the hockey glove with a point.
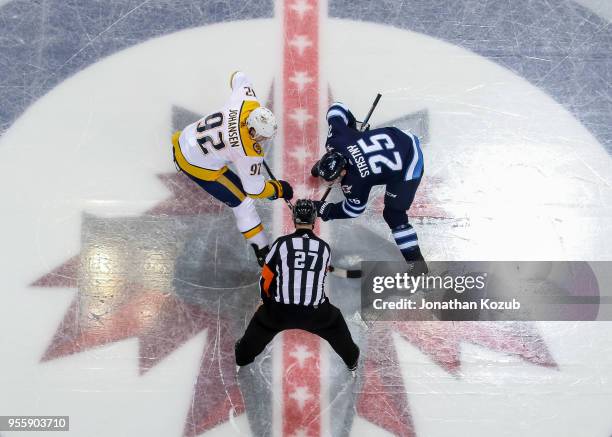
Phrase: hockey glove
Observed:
(287, 191)
(323, 209)
(282, 189)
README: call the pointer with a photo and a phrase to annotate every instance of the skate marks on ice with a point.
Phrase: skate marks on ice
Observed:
(51, 41)
(379, 394)
(416, 123)
(563, 50)
(352, 244)
(255, 381)
(179, 269)
(363, 239)
(236, 277)
(165, 279)
(343, 388)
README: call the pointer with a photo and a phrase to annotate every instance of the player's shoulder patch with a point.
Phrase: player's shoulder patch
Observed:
(250, 147)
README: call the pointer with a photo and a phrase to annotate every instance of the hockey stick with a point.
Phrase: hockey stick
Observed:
(336, 271)
(287, 201)
(364, 123)
(364, 127)
(345, 273)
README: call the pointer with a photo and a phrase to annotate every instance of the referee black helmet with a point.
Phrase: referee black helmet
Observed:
(304, 212)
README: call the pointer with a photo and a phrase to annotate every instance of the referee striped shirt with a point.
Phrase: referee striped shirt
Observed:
(295, 269)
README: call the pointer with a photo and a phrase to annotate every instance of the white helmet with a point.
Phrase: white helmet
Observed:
(263, 121)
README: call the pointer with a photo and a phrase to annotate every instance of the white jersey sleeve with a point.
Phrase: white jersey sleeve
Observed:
(242, 89)
(249, 170)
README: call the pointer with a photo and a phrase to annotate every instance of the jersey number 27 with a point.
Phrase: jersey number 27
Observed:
(302, 263)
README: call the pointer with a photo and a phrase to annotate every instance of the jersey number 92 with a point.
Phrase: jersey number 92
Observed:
(208, 133)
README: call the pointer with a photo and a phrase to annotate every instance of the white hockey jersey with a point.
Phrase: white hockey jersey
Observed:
(205, 148)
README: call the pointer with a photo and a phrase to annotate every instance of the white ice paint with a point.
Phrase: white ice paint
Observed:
(512, 162)
(602, 8)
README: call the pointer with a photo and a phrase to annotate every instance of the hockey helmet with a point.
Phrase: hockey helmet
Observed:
(304, 212)
(331, 164)
(263, 122)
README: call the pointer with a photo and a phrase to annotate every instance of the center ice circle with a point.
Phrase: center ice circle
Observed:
(511, 168)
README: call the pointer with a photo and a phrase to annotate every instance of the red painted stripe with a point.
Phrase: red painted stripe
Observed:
(301, 380)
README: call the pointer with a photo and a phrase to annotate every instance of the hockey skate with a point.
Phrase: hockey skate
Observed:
(416, 263)
(353, 368)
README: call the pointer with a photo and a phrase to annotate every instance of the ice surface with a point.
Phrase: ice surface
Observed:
(124, 286)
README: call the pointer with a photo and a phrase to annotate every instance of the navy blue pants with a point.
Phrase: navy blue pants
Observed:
(398, 199)
(228, 188)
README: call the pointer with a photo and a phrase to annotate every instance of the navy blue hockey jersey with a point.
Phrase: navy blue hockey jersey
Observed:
(375, 157)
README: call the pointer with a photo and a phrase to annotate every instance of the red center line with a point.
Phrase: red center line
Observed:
(301, 386)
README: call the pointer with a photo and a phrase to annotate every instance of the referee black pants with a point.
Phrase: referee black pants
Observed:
(326, 321)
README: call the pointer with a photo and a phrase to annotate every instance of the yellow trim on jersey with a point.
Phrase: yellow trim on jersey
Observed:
(250, 147)
(271, 188)
(236, 191)
(252, 232)
(204, 174)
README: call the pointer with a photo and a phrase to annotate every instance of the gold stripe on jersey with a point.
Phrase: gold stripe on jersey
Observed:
(271, 188)
(250, 147)
(204, 174)
(236, 191)
(254, 231)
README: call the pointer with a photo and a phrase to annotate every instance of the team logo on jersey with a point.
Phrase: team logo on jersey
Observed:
(346, 188)
(257, 148)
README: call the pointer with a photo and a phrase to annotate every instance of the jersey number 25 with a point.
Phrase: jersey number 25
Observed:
(380, 142)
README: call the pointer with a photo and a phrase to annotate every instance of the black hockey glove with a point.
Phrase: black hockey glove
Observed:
(282, 190)
(323, 209)
(286, 190)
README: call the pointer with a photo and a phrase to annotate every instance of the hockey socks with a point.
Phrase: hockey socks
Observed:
(407, 242)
